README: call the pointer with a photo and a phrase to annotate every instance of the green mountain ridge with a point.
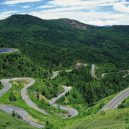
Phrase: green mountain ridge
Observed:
(45, 46)
(36, 37)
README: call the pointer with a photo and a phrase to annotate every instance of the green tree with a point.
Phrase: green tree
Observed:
(12, 97)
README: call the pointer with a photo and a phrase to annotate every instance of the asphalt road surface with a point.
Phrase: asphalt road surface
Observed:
(116, 101)
(10, 109)
(22, 113)
(25, 96)
(6, 87)
(55, 74)
(71, 111)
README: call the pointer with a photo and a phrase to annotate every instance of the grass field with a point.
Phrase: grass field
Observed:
(117, 119)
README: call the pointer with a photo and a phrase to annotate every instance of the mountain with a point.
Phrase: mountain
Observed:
(92, 61)
(49, 42)
(28, 20)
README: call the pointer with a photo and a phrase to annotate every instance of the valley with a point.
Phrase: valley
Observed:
(63, 75)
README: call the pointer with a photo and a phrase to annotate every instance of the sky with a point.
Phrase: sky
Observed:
(94, 12)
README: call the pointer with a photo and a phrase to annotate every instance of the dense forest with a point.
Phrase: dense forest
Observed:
(56, 44)
(94, 90)
(19, 65)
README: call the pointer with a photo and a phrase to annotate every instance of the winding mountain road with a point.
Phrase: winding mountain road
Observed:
(55, 74)
(24, 94)
(6, 87)
(103, 74)
(71, 111)
(126, 75)
(10, 109)
(22, 113)
(66, 90)
(26, 98)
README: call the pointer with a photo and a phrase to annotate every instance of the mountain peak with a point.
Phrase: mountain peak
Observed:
(76, 24)
(23, 19)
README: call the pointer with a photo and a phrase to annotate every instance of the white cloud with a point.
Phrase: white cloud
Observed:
(121, 8)
(11, 2)
(84, 11)
(26, 6)
(83, 2)
(94, 18)
(6, 14)
(78, 5)
(46, 6)
(64, 9)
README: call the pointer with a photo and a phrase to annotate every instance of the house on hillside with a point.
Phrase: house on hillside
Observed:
(80, 65)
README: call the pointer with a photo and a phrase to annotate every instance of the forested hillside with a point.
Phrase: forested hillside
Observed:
(57, 43)
(17, 64)
(95, 90)
(56, 69)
